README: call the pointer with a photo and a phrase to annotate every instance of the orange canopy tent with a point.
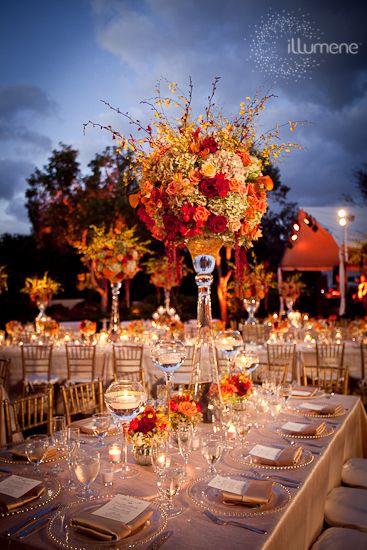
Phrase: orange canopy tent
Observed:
(313, 247)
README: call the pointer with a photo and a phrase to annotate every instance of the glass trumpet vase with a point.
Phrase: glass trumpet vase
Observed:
(251, 306)
(114, 329)
(203, 253)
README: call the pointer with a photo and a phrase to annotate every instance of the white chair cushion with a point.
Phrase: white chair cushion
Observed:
(354, 473)
(35, 379)
(338, 538)
(347, 507)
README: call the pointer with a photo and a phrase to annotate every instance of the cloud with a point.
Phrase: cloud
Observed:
(13, 174)
(18, 99)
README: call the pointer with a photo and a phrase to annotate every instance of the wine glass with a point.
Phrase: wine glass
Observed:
(212, 449)
(86, 464)
(58, 439)
(125, 399)
(72, 444)
(35, 449)
(100, 426)
(169, 484)
(229, 343)
(184, 435)
(168, 356)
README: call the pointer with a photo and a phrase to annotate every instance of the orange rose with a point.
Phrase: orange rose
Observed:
(201, 214)
(187, 408)
(208, 170)
(266, 181)
(245, 157)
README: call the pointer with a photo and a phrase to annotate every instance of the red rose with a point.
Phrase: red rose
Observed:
(133, 425)
(213, 187)
(209, 143)
(217, 224)
(222, 185)
(188, 211)
(146, 424)
(142, 214)
(173, 405)
(172, 225)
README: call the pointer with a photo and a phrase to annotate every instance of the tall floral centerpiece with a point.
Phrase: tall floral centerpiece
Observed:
(40, 291)
(201, 183)
(256, 283)
(115, 255)
(290, 290)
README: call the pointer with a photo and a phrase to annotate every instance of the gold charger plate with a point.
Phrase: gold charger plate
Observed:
(61, 532)
(209, 498)
(315, 414)
(241, 455)
(52, 490)
(329, 430)
(7, 456)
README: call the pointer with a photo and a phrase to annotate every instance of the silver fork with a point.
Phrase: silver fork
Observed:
(220, 521)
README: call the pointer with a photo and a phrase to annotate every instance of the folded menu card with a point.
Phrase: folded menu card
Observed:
(17, 490)
(119, 518)
(319, 408)
(247, 493)
(303, 392)
(19, 453)
(298, 428)
(273, 456)
(86, 427)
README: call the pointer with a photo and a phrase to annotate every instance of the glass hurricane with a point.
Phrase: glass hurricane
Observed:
(125, 399)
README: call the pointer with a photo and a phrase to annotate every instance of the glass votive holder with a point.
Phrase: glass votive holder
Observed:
(114, 453)
(107, 476)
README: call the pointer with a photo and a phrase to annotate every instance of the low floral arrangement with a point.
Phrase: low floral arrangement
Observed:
(138, 327)
(14, 328)
(88, 328)
(3, 279)
(292, 287)
(318, 324)
(279, 324)
(358, 328)
(234, 387)
(114, 253)
(48, 326)
(256, 282)
(41, 289)
(148, 428)
(184, 410)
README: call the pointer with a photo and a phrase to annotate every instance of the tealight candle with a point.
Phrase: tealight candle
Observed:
(107, 477)
(114, 453)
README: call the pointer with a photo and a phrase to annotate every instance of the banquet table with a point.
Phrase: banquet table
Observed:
(295, 526)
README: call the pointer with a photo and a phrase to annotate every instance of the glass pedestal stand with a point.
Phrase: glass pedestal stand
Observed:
(114, 328)
(251, 306)
(203, 253)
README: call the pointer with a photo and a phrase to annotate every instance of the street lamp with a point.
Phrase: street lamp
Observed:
(343, 219)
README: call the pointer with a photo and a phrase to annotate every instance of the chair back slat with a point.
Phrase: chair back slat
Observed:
(330, 354)
(326, 377)
(4, 371)
(36, 361)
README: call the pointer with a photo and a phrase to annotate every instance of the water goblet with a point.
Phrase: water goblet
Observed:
(170, 480)
(58, 439)
(229, 343)
(101, 424)
(35, 449)
(86, 466)
(212, 449)
(168, 356)
(184, 436)
(125, 399)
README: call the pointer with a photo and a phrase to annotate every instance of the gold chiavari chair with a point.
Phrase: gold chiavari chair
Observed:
(330, 379)
(282, 355)
(4, 371)
(36, 366)
(27, 413)
(330, 355)
(81, 362)
(255, 334)
(128, 362)
(82, 399)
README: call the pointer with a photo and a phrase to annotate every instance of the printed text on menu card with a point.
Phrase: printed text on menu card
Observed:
(17, 486)
(122, 508)
(262, 451)
(227, 484)
(311, 406)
